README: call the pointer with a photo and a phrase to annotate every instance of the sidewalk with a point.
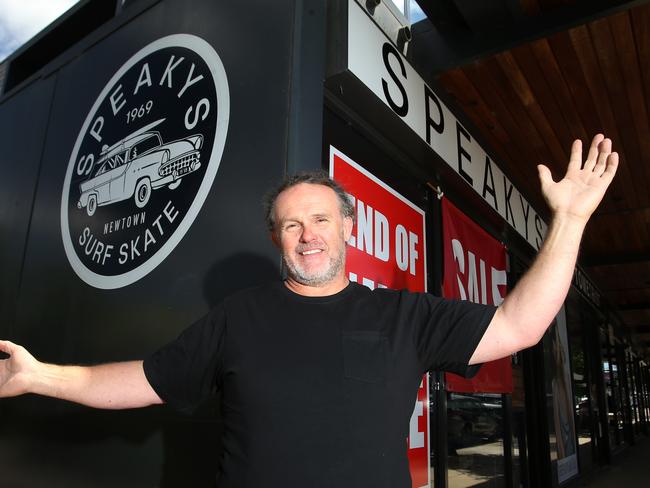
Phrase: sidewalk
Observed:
(631, 468)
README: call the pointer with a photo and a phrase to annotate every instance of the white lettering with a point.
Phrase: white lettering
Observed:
(168, 71)
(85, 165)
(401, 248)
(499, 278)
(382, 241)
(148, 239)
(364, 227)
(205, 103)
(96, 128)
(144, 78)
(416, 437)
(368, 283)
(189, 82)
(115, 98)
(170, 212)
(459, 257)
(413, 254)
(123, 254)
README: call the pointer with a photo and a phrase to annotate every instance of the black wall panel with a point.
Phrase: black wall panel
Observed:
(62, 319)
(23, 121)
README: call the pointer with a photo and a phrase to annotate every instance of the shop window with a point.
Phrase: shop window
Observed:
(584, 389)
(611, 377)
(475, 440)
(560, 404)
(519, 442)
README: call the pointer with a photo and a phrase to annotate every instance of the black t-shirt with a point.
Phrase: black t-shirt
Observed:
(317, 391)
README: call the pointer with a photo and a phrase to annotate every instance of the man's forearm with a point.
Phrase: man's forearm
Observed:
(528, 309)
(537, 298)
(109, 386)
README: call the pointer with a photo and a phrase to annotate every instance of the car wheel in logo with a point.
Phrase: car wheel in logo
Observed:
(162, 119)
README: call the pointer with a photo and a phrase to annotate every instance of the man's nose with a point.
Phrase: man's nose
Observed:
(307, 234)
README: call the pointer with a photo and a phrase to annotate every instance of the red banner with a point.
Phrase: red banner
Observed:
(475, 270)
(388, 250)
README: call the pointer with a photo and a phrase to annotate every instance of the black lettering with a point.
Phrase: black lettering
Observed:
(508, 194)
(462, 153)
(538, 227)
(429, 122)
(489, 188)
(403, 109)
(526, 212)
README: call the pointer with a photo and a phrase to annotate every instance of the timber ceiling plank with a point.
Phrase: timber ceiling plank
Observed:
(626, 53)
(569, 65)
(529, 101)
(640, 17)
(564, 104)
(593, 76)
(538, 149)
(459, 86)
(477, 74)
(619, 104)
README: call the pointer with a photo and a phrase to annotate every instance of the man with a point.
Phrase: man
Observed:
(318, 374)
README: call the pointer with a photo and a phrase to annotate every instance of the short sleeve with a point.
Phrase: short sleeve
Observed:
(447, 332)
(188, 370)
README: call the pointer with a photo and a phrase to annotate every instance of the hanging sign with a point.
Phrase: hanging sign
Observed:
(387, 249)
(377, 64)
(475, 270)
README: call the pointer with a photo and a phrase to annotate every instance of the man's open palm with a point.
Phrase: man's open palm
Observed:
(583, 187)
(14, 370)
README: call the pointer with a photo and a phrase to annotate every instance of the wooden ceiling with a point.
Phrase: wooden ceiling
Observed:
(533, 98)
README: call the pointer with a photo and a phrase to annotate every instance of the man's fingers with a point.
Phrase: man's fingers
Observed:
(611, 167)
(545, 176)
(604, 150)
(594, 151)
(6, 348)
(575, 160)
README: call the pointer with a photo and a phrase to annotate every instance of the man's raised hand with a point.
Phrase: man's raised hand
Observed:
(580, 191)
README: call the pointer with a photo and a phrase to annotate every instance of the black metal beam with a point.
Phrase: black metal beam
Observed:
(635, 306)
(615, 260)
(460, 32)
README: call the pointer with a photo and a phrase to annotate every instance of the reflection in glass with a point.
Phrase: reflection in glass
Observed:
(475, 440)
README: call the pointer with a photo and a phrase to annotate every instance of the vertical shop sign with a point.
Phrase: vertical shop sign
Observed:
(387, 249)
(562, 393)
(475, 270)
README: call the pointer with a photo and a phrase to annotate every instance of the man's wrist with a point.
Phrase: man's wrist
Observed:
(562, 217)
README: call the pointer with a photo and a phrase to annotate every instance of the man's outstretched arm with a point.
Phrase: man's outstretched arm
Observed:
(110, 386)
(528, 310)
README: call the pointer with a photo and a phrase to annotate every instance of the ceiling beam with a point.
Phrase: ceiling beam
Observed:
(615, 260)
(458, 32)
(628, 307)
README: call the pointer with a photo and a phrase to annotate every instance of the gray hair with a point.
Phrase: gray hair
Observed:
(313, 178)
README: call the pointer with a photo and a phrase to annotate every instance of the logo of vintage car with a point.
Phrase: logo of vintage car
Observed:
(144, 161)
(138, 164)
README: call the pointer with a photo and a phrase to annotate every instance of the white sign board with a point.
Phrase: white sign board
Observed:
(375, 61)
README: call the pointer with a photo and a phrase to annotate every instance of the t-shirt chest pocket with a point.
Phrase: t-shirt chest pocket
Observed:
(365, 356)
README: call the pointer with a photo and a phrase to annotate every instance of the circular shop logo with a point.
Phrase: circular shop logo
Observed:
(144, 161)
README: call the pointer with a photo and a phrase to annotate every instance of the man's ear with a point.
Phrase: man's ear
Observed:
(274, 238)
(348, 224)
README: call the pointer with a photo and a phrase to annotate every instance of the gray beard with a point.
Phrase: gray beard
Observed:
(316, 279)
